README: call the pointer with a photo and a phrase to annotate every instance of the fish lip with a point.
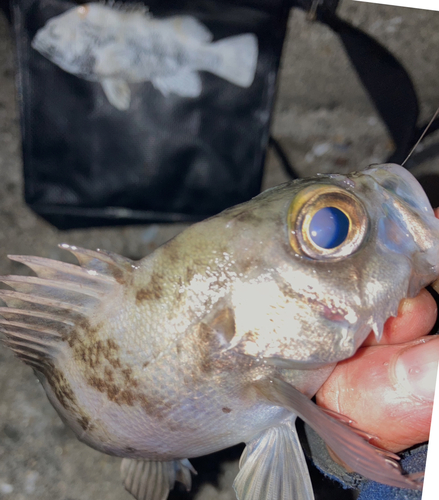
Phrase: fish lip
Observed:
(39, 45)
(417, 199)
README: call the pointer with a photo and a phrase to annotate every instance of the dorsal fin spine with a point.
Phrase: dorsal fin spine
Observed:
(43, 312)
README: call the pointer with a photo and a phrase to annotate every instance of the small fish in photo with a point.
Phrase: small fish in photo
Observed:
(119, 45)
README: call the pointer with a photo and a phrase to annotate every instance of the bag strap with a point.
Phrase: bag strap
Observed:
(384, 78)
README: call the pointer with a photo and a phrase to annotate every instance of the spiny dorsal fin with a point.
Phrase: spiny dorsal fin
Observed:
(43, 311)
(127, 7)
(152, 480)
(192, 27)
(103, 262)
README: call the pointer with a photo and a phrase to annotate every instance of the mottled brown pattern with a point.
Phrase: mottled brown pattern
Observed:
(65, 395)
(119, 275)
(84, 422)
(60, 386)
(170, 252)
(250, 264)
(83, 326)
(153, 291)
(95, 352)
(100, 363)
(109, 374)
(224, 323)
(43, 363)
(206, 340)
(154, 406)
(287, 290)
(218, 284)
(190, 273)
(226, 410)
(115, 393)
(249, 217)
(250, 336)
(102, 368)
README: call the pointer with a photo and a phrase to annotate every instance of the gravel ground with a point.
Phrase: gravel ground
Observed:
(325, 122)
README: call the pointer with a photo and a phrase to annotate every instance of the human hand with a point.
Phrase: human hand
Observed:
(388, 388)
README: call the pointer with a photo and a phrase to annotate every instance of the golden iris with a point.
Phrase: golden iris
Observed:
(326, 221)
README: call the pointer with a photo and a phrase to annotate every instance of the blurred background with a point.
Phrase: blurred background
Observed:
(324, 121)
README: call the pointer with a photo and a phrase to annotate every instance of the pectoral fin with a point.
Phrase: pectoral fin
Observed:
(151, 480)
(375, 464)
(273, 467)
(118, 92)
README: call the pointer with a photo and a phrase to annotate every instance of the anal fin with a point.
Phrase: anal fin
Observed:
(184, 83)
(152, 480)
(273, 467)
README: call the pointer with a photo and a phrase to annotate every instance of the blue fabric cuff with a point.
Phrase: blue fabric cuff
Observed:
(411, 461)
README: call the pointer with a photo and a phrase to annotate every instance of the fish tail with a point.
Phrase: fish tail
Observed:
(236, 60)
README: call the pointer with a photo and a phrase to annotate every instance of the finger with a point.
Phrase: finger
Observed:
(416, 317)
(388, 391)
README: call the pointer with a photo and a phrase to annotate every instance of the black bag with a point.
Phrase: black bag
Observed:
(171, 157)
(163, 156)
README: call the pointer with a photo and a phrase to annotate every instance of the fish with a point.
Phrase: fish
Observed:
(223, 334)
(116, 45)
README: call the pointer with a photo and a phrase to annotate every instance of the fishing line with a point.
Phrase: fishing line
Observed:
(422, 136)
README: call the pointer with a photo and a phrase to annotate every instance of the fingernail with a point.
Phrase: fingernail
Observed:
(417, 367)
(406, 306)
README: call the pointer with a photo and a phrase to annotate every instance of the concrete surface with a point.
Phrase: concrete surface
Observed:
(324, 120)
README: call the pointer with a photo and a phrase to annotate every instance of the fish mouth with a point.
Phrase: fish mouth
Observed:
(44, 48)
(409, 228)
(400, 182)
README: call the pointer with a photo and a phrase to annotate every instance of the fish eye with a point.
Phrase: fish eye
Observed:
(326, 221)
(329, 227)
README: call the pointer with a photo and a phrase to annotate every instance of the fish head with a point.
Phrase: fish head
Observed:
(71, 38)
(344, 252)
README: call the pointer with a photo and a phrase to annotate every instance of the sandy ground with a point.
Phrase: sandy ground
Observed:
(326, 123)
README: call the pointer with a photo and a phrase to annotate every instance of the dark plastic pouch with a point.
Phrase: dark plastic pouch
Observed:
(144, 124)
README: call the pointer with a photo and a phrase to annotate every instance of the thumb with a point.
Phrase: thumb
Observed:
(388, 391)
